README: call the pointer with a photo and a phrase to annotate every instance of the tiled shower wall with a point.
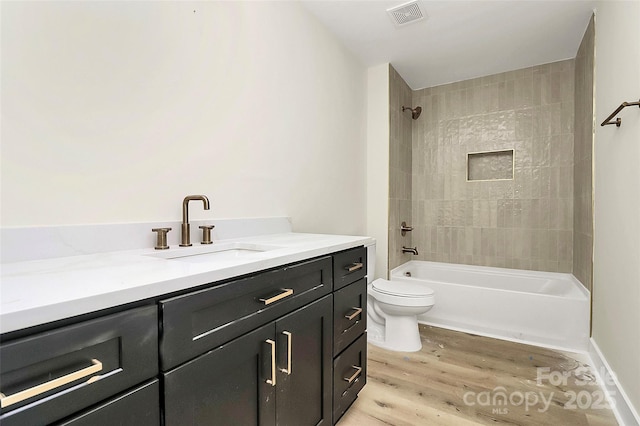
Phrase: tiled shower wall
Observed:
(399, 167)
(582, 160)
(524, 223)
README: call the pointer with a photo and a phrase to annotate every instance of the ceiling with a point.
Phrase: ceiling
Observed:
(458, 40)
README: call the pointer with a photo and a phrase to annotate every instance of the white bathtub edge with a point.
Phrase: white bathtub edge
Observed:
(582, 290)
(624, 411)
(583, 351)
(581, 286)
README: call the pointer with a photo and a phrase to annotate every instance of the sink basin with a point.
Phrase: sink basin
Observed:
(214, 252)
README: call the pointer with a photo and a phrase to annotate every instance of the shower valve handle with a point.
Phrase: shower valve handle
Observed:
(404, 228)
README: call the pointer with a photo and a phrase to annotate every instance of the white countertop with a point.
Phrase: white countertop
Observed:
(40, 291)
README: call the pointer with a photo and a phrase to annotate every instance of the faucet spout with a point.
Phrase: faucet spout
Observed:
(412, 250)
(186, 237)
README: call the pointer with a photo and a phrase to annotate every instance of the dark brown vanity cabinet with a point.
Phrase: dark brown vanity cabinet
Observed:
(349, 328)
(279, 373)
(278, 347)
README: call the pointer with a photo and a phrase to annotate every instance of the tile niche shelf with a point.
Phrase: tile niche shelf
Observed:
(490, 165)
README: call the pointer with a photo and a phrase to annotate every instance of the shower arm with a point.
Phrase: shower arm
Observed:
(415, 112)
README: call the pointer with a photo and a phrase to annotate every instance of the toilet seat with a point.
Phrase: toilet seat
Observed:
(401, 288)
(401, 293)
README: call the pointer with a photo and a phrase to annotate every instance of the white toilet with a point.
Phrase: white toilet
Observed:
(392, 310)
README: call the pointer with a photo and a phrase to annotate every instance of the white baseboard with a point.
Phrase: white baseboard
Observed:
(625, 413)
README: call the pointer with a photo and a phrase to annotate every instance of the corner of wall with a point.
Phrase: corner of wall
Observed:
(378, 163)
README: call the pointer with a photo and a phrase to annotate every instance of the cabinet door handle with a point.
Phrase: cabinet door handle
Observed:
(354, 266)
(6, 401)
(286, 292)
(272, 380)
(355, 313)
(288, 369)
(355, 375)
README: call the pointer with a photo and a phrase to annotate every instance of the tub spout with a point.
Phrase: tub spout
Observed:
(412, 250)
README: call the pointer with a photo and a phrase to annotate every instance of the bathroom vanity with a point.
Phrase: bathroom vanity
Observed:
(277, 338)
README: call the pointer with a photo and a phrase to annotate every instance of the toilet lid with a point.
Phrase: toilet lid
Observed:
(401, 288)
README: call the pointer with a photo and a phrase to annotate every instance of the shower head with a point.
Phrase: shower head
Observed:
(415, 112)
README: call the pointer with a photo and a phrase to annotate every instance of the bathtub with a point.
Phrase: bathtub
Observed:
(540, 308)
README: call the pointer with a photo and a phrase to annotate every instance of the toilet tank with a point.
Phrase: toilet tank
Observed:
(371, 261)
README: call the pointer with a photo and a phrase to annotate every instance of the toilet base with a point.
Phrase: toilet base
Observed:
(399, 333)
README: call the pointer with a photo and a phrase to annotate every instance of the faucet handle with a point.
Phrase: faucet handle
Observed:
(206, 233)
(161, 241)
(404, 228)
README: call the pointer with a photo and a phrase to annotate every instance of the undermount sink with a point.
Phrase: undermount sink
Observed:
(214, 252)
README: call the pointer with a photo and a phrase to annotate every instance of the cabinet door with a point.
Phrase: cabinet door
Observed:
(349, 266)
(349, 376)
(226, 386)
(138, 407)
(304, 365)
(349, 314)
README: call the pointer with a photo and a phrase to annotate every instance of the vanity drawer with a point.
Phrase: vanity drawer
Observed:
(349, 266)
(51, 375)
(197, 322)
(349, 314)
(138, 407)
(349, 376)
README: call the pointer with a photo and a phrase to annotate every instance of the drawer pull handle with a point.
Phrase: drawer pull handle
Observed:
(355, 375)
(6, 401)
(272, 380)
(354, 266)
(285, 293)
(288, 369)
(355, 313)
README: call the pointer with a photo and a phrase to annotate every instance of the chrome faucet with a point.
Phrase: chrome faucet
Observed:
(412, 250)
(186, 228)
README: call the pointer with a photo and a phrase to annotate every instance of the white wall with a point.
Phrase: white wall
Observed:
(378, 163)
(616, 266)
(114, 111)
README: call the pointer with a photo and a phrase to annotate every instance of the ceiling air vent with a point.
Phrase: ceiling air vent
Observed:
(406, 13)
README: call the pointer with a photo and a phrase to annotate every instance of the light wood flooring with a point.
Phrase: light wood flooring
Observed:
(459, 379)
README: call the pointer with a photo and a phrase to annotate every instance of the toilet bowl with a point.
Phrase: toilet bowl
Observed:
(392, 310)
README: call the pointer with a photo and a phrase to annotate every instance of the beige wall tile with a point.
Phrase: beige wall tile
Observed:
(523, 92)
(526, 222)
